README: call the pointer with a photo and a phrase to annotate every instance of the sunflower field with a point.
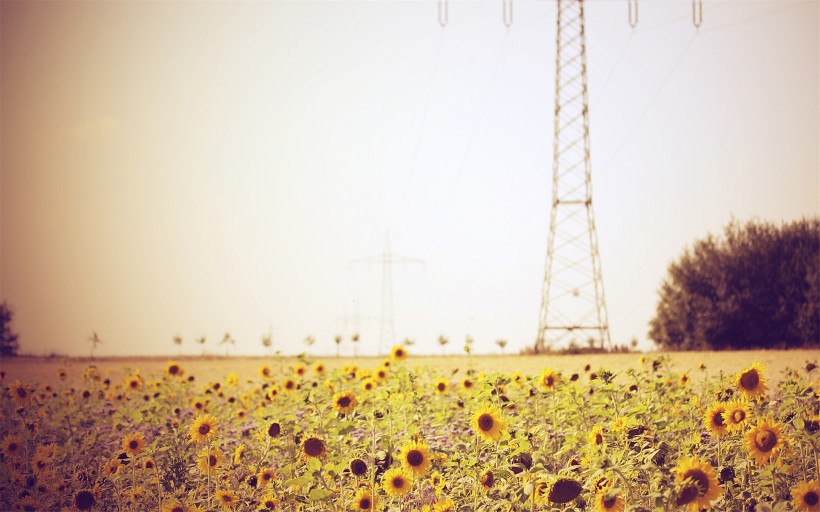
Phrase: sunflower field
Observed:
(393, 437)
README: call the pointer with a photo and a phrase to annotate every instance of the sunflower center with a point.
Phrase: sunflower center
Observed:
(415, 458)
(134, 383)
(274, 429)
(173, 369)
(358, 467)
(700, 479)
(204, 429)
(289, 384)
(12, 447)
(738, 416)
(609, 503)
(765, 440)
(21, 392)
(549, 381)
(397, 482)
(313, 447)
(212, 460)
(177, 508)
(344, 401)
(400, 353)
(441, 386)
(811, 498)
(717, 419)
(749, 380)
(687, 495)
(134, 444)
(149, 465)
(84, 500)
(488, 479)
(564, 490)
(364, 504)
(599, 439)
(486, 422)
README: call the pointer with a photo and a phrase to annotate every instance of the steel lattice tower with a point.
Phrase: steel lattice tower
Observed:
(573, 309)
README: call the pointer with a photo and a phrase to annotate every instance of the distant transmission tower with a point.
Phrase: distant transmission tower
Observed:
(387, 332)
(573, 308)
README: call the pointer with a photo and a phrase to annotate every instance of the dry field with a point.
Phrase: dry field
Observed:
(42, 370)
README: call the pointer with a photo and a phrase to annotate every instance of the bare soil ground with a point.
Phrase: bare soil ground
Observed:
(205, 369)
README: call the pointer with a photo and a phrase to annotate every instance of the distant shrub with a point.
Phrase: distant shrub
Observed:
(758, 286)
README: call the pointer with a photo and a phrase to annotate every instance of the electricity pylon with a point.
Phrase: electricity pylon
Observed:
(573, 308)
(387, 332)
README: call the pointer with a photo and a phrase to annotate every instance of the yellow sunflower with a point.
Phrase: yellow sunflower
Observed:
(174, 369)
(444, 505)
(133, 383)
(441, 386)
(12, 447)
(299, 370)
(265, 476)
(133, 444)
(751, 381)
(765, 440)
(608, 501)
(313, 446)
(289, 385)
(273, 392)
(806, 496)
(209, 460)
(595, 438)
(265, 371)
(714, 419)
(549, 379)
(363, 501)
(319, 368)
(698, 484)
(398, 353)
(198, 405)
(415, 457)
(487, 480)
(380, 374)
(228, 499)
(467, 384)
(173, 505)
(344, 403)
(368, 384)
(269, 502)
(397, 482)
(738, 415)
(20, 393)
(44, 456)
(203, 428)
(489, 424)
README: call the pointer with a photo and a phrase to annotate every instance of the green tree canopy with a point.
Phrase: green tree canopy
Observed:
(757, 286)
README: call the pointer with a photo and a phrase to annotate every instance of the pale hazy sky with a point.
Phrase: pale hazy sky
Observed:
(191, 168)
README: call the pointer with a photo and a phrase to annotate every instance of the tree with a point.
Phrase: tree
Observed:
(95, 340)
(309, 341)
(178, 342)
(355, 340)
(442, 340)
(338, 341)
(8, 339)
(502, 343)
(226, 340)
(267, 342)
(757, 286)
(201, 341)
